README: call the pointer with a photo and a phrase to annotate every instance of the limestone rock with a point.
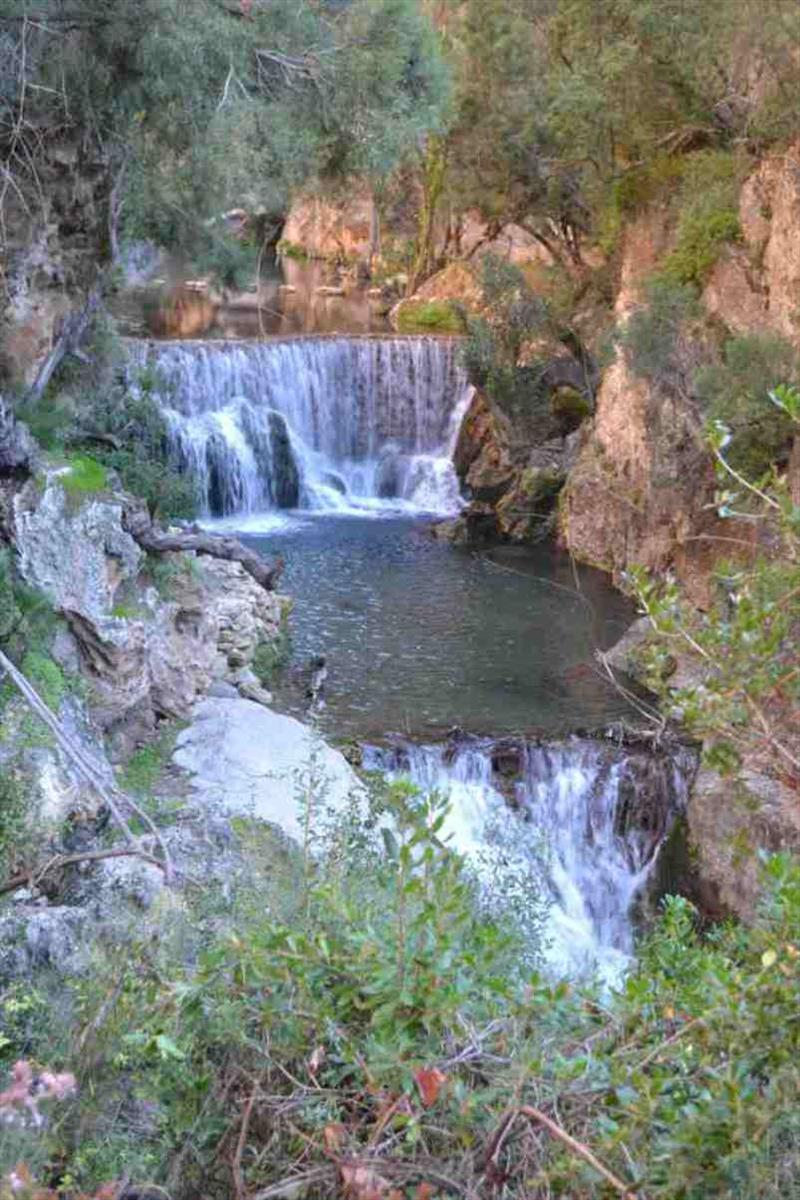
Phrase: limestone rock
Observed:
(246, 760)
(458, 282)
(78, 555)
(256, 693)
(731, 823)
(624, 654)
(153, 657)
(17, 448)
(33, 939)
(325, 228)
(245, 613)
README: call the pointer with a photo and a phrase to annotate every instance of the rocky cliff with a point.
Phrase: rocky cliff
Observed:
(641, 488)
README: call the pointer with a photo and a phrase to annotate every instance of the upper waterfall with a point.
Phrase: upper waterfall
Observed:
(320, 423)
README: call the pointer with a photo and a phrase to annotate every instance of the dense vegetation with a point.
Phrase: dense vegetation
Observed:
(381, 1030)
(186, 109)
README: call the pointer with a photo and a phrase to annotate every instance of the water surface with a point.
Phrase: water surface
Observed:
(421, 636)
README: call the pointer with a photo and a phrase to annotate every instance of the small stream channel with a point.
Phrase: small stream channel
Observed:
(470, 672)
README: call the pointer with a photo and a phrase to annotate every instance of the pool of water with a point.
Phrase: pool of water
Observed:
(290, 298)
(421, 637)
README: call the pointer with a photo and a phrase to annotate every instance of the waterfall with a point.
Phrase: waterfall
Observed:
(584, 818)
(336, 423)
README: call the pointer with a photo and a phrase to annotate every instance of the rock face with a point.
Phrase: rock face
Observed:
(152, 655)
(245, 760)
(17, 448)
(325, 229)
(641, 488)
(732, 823)
(77, 555)
(456, 283)
(511, 481)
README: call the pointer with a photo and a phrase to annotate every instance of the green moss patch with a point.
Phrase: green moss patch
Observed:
(86, 475)
(429, 316)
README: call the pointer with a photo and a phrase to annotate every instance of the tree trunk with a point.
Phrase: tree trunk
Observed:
(140, 526)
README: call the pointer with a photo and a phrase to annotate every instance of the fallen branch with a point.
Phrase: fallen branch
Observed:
(238, 1174)
(110, 795)
(539, 1118)
(297, 1185)
(35, 875)
(139, 525)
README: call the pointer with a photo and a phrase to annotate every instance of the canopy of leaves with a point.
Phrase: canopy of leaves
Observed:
(557, 101)
(195, 106)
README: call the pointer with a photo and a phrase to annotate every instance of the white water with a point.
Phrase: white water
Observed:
(586, 821)
(336, 423)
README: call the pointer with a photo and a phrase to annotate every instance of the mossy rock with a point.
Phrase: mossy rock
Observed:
(570, 406)
(429, 316)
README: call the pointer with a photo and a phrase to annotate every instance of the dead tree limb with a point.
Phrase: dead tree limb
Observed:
(72, 334)
(116, 800)
(139, 525)
(34, 875)
(539, 1118)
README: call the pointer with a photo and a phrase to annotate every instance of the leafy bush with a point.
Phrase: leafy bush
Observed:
(658, 336)
(46, 676)
(271, 658)
(702, 232)
(13, 823)
(85, 475)
(732, 391)
(513, 316)
(430, 316)
(746, 702)
(377, 1023)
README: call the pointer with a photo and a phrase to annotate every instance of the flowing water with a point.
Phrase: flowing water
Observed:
(329, 451)
(337, 424)
(580, 822)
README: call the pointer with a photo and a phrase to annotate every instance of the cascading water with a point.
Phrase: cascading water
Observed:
(334, 423)
(584, 819)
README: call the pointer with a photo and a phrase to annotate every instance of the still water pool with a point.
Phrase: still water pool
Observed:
(421, 636)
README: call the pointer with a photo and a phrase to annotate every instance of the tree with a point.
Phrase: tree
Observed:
(188, 108)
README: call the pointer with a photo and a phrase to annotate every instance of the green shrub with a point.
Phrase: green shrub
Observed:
(146, 765)
(429, 316)
(703, 231)
(10, 611)
(13, 821)
(272, 657)
(46, 676)
(292, 250)
(658, 334)
(733, 391)
(86, 475)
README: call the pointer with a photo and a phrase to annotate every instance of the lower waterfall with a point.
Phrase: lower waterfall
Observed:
(582, 819)
(331, 423)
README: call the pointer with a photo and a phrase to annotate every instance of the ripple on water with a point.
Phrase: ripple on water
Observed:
(421, 636)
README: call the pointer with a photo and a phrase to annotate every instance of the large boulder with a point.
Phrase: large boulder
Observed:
(245, 760)
(323, 227)
(74, 550)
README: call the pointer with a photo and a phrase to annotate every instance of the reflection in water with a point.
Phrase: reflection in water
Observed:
(292, 297)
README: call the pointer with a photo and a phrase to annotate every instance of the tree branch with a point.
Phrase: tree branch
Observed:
(578, 1148)
(85, 766)
(139, 525)
(35, 874)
